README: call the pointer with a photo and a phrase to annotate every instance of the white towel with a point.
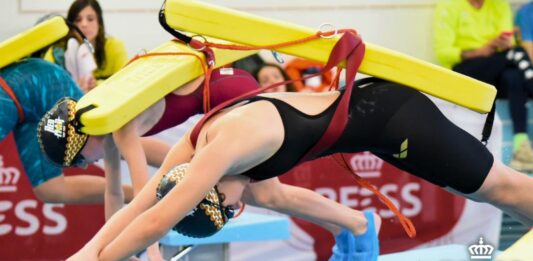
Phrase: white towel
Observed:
(79, 61)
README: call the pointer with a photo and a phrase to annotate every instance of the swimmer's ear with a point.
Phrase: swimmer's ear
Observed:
(221, 197)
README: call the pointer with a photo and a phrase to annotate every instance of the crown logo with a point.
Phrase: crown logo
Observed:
(481, 251)
(9, 177)
(367, 165)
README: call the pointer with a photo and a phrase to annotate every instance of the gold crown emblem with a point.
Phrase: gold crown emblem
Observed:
(9, 177)
(367, 165)
(481, 251)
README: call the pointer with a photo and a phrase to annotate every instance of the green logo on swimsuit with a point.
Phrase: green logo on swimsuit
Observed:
(403, 150)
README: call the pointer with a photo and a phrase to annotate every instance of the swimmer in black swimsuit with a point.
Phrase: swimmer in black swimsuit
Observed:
(172, 110)
(260, 138)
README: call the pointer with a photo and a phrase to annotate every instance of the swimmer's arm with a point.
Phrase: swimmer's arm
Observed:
(181, 152)
(205, 170)
(299, 202)
(155, 150)
(114, 196)
(130, 146)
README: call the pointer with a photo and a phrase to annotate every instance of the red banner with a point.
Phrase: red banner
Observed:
(31, 230)
(433, 211)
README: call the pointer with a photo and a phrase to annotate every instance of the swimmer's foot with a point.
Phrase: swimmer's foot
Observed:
(364, 247)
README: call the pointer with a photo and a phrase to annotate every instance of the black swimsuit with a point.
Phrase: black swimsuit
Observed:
(383, 117)
(302, 131)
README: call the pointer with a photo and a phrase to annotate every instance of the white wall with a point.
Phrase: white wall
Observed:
(403, 25)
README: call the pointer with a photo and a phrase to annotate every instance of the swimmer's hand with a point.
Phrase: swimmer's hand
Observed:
(153, 252)
(84, 255)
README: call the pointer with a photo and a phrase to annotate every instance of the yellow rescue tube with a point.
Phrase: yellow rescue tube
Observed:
(520, 250)
(140, 84)
(223, 23)
(31, 40)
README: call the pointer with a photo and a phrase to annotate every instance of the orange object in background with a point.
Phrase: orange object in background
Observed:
(298, 68)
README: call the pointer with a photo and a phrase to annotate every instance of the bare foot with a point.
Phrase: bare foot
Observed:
(361, 228)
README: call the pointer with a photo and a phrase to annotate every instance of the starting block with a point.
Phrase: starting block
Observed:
(247, 227)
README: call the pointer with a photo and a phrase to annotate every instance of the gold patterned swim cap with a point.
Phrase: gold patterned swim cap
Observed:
(207, 218)
(57, 134)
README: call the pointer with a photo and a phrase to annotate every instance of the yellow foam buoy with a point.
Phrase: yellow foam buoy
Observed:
(31, 40)
(140, 84)
(239, 27)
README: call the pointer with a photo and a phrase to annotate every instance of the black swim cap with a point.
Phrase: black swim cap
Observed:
(58, 138)
(207, 218)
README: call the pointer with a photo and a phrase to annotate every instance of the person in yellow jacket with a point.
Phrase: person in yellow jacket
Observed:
(110, 53)
(476, 38)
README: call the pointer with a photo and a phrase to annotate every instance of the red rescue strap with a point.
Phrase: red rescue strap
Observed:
(11, 94)
(207, 68)
(348, 49)
(338, 54)
(407, 224)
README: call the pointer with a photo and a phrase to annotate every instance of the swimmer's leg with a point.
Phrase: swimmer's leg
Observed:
(49, 185)
(78, 189)
(306, 204)
(425, 143)
(507, 189)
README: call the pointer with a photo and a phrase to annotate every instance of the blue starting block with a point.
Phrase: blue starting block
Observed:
(247, 227)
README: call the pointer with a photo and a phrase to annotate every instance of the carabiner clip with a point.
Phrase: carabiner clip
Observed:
(330, 28)
(198, 48)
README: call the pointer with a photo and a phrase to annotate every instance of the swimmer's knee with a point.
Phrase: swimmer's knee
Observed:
(270, 200)
(499, 188)
(49, 191)
(46, 196)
